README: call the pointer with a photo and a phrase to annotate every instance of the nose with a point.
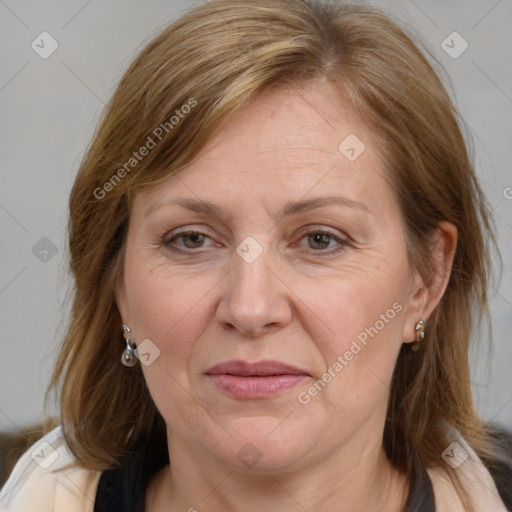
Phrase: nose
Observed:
(255, 299)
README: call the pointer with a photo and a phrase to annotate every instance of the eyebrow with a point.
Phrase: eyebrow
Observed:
(290, 208)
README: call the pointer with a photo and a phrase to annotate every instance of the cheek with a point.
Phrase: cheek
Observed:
(167, 313)
(364, 316)
(163, 300)
(359, 307)
(173, 316)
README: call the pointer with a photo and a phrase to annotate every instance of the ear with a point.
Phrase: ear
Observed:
(426, 292)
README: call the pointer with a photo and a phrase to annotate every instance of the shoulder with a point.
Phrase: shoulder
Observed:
(482, 487)
(48, 478)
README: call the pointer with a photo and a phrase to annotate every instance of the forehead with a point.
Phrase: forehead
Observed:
(286, 125)
(287, 143)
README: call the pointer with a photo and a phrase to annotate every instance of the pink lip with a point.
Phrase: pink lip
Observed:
(255, 380)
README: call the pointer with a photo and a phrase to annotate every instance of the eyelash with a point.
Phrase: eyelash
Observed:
(167, 242)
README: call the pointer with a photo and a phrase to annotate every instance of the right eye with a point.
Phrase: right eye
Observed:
(185, 241)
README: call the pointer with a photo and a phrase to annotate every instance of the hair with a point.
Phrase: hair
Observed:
(180, 89)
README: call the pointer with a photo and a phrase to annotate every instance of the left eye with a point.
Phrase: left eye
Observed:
(323, 242)
(319, 240)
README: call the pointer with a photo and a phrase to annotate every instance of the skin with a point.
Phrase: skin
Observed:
(301, 302)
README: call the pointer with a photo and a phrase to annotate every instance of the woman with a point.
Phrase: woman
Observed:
(274, 279)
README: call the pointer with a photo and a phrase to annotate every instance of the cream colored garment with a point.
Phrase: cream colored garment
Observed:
(476, 479)
(47, 479)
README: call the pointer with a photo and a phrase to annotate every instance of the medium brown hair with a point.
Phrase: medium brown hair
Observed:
(215, 59)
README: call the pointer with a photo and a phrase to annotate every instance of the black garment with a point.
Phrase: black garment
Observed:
(124, 489)
(501, 472)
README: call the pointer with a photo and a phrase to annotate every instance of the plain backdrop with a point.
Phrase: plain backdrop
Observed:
(50, 107)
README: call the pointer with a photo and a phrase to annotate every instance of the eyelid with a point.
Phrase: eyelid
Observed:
(185, 230)
(321, 227)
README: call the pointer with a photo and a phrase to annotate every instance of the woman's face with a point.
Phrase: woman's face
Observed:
(297, 257)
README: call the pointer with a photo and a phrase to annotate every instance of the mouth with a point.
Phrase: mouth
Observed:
(262, 379)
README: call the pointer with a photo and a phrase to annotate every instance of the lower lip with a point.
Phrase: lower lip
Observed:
(256, 387)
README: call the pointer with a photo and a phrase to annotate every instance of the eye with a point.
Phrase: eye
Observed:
(319, 241)
(186, 240)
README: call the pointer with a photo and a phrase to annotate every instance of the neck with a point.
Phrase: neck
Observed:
(355, 481)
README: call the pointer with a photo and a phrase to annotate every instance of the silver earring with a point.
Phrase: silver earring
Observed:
(420, 335)
(128, 357)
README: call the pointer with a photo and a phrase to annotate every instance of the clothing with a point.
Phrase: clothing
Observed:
(123, 490)
(47, 478)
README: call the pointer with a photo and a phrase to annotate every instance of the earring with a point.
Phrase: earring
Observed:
(420, 335)
(128, 357)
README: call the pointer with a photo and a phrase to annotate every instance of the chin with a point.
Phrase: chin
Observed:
(266, 444)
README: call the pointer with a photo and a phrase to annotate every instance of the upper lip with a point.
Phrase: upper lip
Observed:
(259, 368)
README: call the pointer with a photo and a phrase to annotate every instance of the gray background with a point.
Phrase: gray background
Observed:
(49, 108)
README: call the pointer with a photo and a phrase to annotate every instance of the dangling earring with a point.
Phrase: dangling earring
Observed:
(420, 335)
(128, 357)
